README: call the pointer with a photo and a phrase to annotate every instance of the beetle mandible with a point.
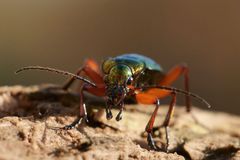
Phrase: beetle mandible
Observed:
(128, 76)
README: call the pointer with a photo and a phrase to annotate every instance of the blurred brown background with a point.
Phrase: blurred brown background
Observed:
(61, 34)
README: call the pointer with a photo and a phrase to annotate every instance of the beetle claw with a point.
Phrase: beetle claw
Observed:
(86, 119)
(75, 123)
(119, 116)
(109, 114)
(152, 144)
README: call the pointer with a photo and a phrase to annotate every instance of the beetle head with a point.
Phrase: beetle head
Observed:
(116, 80)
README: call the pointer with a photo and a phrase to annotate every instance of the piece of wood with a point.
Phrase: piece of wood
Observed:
(29, 115)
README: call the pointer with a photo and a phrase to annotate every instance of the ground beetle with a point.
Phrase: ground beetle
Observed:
(128, 76)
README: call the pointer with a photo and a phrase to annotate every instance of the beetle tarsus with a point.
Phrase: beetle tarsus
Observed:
(151, 142)
(109, 114)
(75, 123)
(119, 116)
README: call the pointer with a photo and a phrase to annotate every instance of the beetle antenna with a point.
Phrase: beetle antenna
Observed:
(176, 90)
(65, 73)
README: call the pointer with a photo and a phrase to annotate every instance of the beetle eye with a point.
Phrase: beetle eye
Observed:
(129, 81)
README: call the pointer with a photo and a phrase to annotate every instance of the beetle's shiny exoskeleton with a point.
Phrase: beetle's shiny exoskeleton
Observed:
(128, 76)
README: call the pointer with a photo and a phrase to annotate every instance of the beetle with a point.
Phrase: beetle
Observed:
(128, 76)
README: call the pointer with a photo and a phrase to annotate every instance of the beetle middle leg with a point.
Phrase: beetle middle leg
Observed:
(92, 72)
(173, 75)
(168, 117)
(82, 110)
(149, 127)
(89, 63)
(82, 113)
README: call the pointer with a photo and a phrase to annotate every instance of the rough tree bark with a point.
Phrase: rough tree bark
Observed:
(29, 115)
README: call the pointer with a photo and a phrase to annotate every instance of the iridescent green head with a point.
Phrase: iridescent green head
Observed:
(119, 75)
(117, 79)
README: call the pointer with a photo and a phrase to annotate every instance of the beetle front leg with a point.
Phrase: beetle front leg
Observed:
(119, 115)
(108, 113)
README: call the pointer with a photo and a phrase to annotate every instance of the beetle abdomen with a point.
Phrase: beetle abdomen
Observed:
(148, 62)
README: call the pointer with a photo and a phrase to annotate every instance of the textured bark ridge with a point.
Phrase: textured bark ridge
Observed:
(29, 117)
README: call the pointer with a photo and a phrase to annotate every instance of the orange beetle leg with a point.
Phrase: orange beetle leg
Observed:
(173, 75)
(91, 65)
(150, 96)
(147, 98)
(91, 70)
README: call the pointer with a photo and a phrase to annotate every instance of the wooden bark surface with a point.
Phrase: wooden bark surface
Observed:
(28, 116)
